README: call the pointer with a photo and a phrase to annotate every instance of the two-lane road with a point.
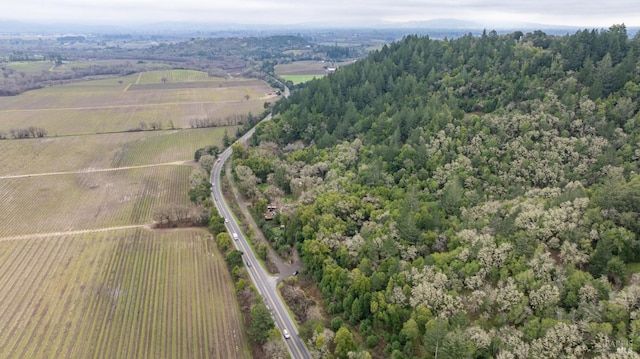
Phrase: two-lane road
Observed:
(265, 283)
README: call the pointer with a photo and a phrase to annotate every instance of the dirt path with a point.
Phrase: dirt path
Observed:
(80, 231)
(88, 170)
(92, 170)
(285, 269)
(120, 106)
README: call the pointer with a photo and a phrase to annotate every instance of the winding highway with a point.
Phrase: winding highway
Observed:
(265, 283)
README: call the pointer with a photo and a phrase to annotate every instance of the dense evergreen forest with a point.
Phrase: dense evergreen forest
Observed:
(467, 198)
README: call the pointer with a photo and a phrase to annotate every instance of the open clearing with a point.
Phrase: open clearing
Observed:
(302, 68)
(298, 79)
(118, 294)
(303, 71)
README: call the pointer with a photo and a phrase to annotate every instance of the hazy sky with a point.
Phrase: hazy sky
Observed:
(587, 13)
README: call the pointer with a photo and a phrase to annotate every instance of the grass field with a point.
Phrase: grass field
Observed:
(120, 104)
(118, 294)
(297, 79)
(303, 71)
(30, 67)
(306, 68)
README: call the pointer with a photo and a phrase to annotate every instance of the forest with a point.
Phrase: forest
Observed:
(476, 197)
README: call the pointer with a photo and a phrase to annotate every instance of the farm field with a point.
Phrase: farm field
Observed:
(303, 71)
(83, 275)
(121, 104)
(35, 67)
(92, 200)
(103, 151)
(30, 67)
(68, 65)
(298, 79)
(302, 68)
(118, 294)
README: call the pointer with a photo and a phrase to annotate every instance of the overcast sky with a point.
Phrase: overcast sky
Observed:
(587, 13)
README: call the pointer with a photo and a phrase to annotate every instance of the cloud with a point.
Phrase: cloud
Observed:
(571, 12)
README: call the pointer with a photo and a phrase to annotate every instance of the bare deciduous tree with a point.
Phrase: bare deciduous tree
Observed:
(275, 348)
(207, 162)
(31, 131)
(173, 215)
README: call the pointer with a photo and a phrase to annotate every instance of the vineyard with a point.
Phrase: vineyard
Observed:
(43, 204)
(89, 152)
(118, 294)
(175, 76)
(113, 105)
(82, 275)
(302, 68)
(169, 146)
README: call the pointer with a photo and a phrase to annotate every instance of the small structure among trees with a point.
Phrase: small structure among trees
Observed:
(270, 212)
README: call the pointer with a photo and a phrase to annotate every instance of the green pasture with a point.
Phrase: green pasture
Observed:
(297, 79)
(30, 67)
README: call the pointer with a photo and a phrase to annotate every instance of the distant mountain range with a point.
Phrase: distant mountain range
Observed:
(456, 24)
(200, 29)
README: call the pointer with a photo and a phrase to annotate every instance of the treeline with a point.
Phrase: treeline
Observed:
(266, 338)
(214, 122)
(16, 82)
(27, 132)
(71, 38)
(335, 52)
(175, 215)
(475, 197)
(250, 122)
(151, 126)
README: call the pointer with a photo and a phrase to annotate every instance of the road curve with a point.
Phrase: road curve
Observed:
(265, 283)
